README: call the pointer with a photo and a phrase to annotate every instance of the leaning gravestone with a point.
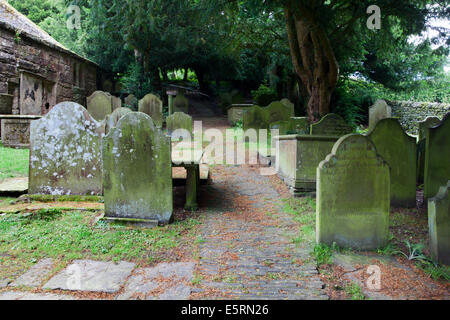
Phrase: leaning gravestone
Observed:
(99, 105)
(423, 127)
(331, 125)
(65, 152)
(131, 102)
(181, 104)
(152, 105)
(256, 118)
(380, 110)
(114, 117)
(179, 120)
(137, 177)
(437, 164)
(399, 150)
(353, 195)
(439, 225)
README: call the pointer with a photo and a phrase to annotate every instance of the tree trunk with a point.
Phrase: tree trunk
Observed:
(201, 79)
(313, 58)
(185, 77)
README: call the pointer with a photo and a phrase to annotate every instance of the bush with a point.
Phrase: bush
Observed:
(135, 82)
(264, 95)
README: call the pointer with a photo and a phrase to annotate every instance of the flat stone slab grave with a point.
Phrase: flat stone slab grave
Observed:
(36, 275)
(166, 281)
(87, 275)
(14, 186)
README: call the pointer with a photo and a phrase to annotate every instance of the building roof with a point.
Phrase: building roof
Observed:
(13, 20)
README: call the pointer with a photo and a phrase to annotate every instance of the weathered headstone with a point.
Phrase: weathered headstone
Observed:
(256, 118)
(380, 110)
(437, 164)
(300, 125)
(353, 195)
(116, 103)
(113, 118)
(131, 102)
(423, 127)
(439, 225)
(152, 105)
(283, 127)
(279, 111)
(331, 125)
(15, 130)
(179, 120)
(236, 112)
(181, 104)
(137, 176)
(399, 150)
(65, 152)
(99, 105)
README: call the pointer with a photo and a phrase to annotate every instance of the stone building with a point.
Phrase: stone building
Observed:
(37, 72)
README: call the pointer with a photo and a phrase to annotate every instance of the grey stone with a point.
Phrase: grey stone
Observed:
(179, 120)
(331, 125)
(131, 102)
(113, 118)
(87, 275)
(36, 275)
(152, 105)
(65, 152)
(15, 295)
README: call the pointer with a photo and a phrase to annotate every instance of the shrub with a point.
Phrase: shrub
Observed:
(264, 95)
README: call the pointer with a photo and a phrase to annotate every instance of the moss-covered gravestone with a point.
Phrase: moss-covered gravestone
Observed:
(99, 105)
(181, 104)
(131, 102)
(289, 105)
(437, 164)
(331, 125)
(300, 125)
(116, 103)
(65, 152)
(283, 127)
(152, 105)
(256, 118)
(353, 195)
(423, 127)
(399, 150)
(114, 117)
(179, 120)
(439, 225)
(380, 110)
(279, 111)
(137, 175)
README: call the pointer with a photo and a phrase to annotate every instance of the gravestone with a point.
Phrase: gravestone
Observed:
(99, 105)
(179, 120)
(279, 111)
(181, 104)
(437, 164)
(116, 103)
(113, 118)
(236, 112)
(439, 225)
(300, 125)
(399, 150)
(423, 127)
(131, 102)
(283, 127)
(137, 176)
(256, 118)
(152, 105)
(353, 195)
(331, 125)
(380, 110)
(65, 152)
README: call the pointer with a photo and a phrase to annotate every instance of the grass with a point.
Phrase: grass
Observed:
(65, 236)
(323, 254)
(13, 162)
(303, 211)
(354, 291)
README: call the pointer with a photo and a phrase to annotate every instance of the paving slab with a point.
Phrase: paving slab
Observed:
(36, 275)
(16, 295)
(88, 275)
(166, 281)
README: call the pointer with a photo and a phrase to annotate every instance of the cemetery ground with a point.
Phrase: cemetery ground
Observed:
(250, 239)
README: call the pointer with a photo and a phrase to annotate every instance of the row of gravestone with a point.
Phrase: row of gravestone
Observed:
(101, 104)
(257, 117)
(73, 154)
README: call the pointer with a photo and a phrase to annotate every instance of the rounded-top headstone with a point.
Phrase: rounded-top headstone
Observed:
(378, 111)
(99, 105)
(113, 118)
(152, 106)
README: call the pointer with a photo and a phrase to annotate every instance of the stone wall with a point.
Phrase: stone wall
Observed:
(410, 113)
(62, 75)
